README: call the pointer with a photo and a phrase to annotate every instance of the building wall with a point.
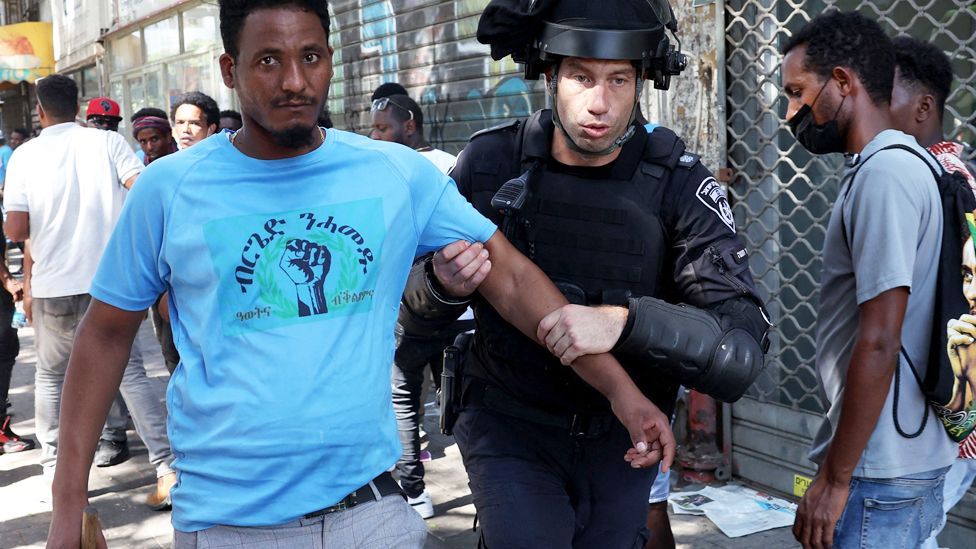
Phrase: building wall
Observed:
(442, 66)
(17, 99)
(77, 24)
(694, 105)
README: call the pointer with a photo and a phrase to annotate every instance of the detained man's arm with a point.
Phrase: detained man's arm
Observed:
(523, 295)
(873, 363)
(98, 358)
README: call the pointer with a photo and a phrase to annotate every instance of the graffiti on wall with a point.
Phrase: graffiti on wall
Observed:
(442, 66)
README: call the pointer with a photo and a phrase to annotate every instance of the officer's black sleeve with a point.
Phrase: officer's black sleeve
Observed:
(711, 264)
(714, 340)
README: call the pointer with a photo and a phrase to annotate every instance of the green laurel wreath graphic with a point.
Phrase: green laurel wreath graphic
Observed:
(283, 301)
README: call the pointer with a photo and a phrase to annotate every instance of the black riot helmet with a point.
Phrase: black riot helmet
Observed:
(538, 33)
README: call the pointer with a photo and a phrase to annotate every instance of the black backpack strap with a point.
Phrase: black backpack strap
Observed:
(904, 353)
(894, 400)
(897, 389)
(853, 173)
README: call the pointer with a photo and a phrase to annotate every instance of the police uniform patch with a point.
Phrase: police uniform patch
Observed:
(712, 195)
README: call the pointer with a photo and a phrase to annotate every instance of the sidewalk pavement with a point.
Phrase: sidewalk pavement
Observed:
(118, 492)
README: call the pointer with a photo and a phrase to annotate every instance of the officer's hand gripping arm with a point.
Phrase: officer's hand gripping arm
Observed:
(424, 310)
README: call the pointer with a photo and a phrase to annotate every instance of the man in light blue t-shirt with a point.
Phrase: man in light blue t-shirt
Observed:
(285, 250)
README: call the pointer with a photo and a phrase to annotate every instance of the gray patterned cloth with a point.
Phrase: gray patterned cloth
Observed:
(389, 522)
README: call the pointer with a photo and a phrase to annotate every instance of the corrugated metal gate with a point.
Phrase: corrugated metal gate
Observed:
(429, 47)
(783, 197)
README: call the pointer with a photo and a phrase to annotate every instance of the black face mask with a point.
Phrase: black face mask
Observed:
(818, 139)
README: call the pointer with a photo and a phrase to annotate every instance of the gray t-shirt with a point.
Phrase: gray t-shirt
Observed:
(893, 221)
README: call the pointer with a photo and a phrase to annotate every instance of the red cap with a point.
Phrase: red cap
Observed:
(103, 106)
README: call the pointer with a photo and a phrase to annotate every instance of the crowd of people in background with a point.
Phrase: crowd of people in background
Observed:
(51, 258)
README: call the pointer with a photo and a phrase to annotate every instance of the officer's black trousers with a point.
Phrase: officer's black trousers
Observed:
(537, 486)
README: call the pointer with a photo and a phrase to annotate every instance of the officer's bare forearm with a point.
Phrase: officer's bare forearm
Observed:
(98, 359)
(522, 294)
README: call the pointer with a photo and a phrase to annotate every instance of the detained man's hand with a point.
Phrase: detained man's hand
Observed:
(574, 330)
(461, 267)
(819, 511)
(649, 428)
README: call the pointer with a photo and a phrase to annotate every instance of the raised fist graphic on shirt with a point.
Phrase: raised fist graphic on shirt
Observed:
(307, 264)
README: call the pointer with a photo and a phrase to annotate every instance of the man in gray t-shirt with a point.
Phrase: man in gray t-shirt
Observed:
(884, 233)
(881, 471)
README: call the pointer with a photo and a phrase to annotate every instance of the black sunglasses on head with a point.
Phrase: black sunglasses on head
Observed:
(381, 104)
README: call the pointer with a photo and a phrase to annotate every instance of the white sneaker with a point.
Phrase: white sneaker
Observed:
(422, 504)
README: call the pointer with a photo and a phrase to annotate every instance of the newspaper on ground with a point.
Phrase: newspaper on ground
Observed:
(734, 509)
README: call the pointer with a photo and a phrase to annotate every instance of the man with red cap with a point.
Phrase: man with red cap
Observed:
(103, 114)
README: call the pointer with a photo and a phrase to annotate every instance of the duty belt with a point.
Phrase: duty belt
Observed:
(479, 393)
(374, 490)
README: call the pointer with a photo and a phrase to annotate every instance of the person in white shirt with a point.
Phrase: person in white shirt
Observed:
(398, 119)
(65, 191)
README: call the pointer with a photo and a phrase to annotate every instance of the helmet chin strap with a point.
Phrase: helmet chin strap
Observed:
(618, 142)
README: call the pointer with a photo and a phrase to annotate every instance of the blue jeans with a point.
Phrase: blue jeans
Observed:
(890, 513)
(957, 481)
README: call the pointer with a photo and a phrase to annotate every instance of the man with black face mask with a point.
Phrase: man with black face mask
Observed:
(877, 295)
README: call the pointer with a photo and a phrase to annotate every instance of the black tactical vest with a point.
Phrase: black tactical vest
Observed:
(598, 233)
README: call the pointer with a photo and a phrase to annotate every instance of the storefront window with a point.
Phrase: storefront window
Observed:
(162, 39)
(137, 93)
(127, 51)
(115, 91)
(154, 91)
(190, 74)
(89, 76)
(200, 27)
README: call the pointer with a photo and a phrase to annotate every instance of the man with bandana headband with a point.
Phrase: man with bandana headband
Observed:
(154, 135)
(881, 458)
(640, 238)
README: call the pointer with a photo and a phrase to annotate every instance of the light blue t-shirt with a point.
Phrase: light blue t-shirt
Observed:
(5, 152)
(285, 277)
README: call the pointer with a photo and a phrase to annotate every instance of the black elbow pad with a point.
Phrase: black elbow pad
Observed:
(699, 348)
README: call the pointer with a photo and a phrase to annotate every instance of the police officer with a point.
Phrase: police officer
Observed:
(637, 234)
